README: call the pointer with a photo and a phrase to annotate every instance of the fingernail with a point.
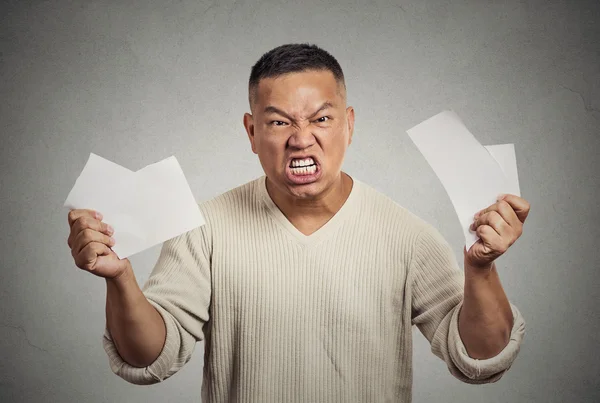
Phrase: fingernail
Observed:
(477, 214)
(112, 241)
(98, 215)
(110, 229)
(501, 196)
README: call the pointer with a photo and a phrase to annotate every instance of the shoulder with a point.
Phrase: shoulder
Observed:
(375, 209)
(231, 204)
(376, 206)
(225, 210)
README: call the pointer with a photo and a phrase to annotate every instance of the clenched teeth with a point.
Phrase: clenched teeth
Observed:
(304, 170)
(302, 163)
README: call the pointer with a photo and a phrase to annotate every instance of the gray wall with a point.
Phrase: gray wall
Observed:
(137, 83)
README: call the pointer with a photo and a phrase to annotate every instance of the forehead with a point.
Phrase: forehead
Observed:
(299, 90)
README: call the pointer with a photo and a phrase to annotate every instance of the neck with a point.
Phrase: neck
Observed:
(311, 214)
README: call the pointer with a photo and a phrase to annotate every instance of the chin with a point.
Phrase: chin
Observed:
(296, 190)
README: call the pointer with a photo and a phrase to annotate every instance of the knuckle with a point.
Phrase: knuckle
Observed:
(84, 222)
(519, 231)
(79, 261)
(495, 219)
(87, 234)
(90, 249)
(99, 248)
(75, 228)
(86, 258)
(504, 207)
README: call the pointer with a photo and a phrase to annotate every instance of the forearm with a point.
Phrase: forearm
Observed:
(486, 318)
(137, 329)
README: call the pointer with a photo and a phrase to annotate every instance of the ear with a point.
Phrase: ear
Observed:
(249, 125)
(350, 122)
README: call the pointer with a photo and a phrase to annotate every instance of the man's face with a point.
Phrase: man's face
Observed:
(300, 129)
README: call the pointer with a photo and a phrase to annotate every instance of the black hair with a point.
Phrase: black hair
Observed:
(293, 58)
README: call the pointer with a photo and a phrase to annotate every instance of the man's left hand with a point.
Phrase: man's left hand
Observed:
(497, 227)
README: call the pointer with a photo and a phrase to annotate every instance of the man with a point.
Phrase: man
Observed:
(305, 283)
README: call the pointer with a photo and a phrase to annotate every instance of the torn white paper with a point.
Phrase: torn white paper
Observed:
(472, 175)
(145, 208)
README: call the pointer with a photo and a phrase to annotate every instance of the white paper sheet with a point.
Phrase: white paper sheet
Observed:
(505, 156)
(472, 175)
(145, 208)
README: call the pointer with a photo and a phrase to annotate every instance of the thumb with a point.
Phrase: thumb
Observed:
(520, 206)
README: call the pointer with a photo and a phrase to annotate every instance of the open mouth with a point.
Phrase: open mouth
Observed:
(303, 166)
(303, 171)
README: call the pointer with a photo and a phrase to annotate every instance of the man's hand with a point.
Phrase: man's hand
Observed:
(90, 242)
(498, 227)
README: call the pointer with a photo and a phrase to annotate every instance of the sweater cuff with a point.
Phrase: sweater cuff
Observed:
(490, 369)
(159, 369)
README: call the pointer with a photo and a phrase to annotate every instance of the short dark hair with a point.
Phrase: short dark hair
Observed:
(293, 58)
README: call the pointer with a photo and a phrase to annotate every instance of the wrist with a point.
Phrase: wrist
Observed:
(479, 271)
(124, 277)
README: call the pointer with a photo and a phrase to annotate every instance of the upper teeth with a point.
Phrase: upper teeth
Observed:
(302, 163)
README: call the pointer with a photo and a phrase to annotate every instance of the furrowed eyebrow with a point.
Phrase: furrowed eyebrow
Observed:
(273, 109)
(322, 108)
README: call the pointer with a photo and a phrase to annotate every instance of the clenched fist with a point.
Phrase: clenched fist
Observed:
(498, 227)
(90, 242)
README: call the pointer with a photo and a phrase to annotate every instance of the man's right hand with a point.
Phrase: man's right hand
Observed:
(90, 242)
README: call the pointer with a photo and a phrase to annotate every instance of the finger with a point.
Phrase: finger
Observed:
(89, 235)
(492, 241)
(77, 213)
(494, 220)
(506, 212)
(85, 222)
(520, 206)
(86, 260)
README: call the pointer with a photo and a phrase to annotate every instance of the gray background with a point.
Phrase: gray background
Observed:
(137, 83)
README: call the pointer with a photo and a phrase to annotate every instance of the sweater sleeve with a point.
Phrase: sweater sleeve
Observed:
(179, 287)
(437, 297)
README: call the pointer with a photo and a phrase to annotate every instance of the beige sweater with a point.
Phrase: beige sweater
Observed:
(322, 318)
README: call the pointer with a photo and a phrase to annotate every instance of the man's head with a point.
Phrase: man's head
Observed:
(299, 117)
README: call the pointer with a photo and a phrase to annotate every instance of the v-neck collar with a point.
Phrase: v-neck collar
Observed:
(328, 228)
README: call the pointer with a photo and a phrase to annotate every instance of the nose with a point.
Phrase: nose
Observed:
(301, 138)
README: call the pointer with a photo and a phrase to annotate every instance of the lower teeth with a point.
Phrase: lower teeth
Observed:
(304, 170)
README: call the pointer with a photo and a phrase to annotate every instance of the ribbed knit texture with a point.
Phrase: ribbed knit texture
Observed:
(322, 318)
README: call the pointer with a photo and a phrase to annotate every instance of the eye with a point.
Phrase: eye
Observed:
(278, 123)
(323, 119)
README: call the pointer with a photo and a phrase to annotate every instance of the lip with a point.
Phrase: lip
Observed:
(302, 179)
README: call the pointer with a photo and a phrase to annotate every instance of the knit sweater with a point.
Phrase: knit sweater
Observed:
(326, 317)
